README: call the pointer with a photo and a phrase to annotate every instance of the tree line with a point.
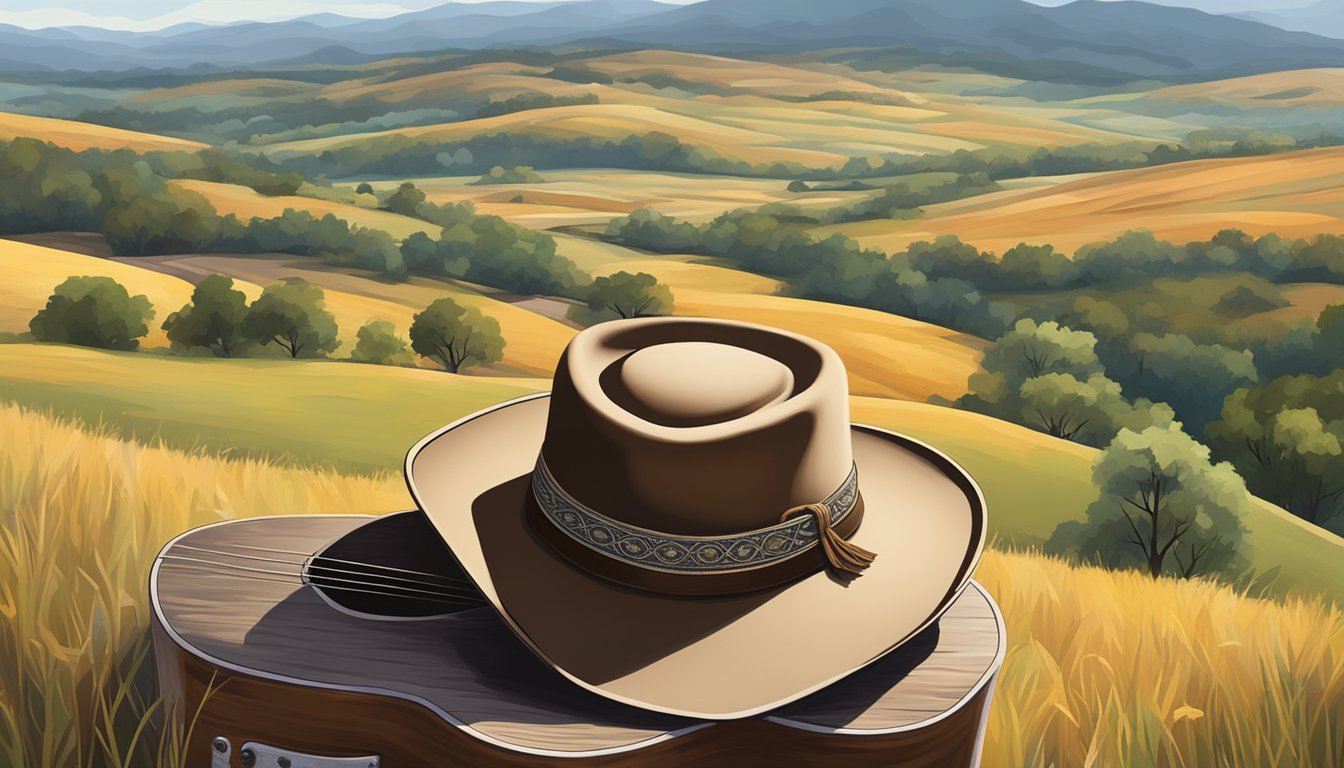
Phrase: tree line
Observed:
(291, 318)
(140, 213)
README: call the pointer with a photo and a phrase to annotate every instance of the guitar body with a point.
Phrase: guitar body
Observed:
(350, 642)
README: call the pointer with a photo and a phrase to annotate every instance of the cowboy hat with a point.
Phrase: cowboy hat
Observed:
(690, 524)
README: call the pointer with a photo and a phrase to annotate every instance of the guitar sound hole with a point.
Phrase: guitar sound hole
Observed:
(392, 567)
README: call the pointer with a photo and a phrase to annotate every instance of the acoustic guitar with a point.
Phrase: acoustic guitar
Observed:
(355, 642)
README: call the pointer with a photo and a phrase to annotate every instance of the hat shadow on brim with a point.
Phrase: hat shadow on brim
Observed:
(708, 657)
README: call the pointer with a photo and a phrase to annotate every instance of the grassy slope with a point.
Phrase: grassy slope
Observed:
(357, 417)
(1032, 482)
(1297, 194)
(78, 136)
(365, 417)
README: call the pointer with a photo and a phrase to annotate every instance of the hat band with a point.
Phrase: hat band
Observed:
(631, 549)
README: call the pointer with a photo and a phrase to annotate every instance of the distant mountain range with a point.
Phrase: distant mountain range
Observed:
(1134, 38)
(1324, 17)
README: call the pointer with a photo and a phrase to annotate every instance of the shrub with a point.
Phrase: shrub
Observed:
(93, 312)
(623, 295)
(377, 343)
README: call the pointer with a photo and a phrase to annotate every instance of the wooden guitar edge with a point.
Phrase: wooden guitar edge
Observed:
(211, 699)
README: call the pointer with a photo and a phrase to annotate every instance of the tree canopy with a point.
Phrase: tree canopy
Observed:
(213, 319)
(1163, 507)
(625, 295)
(377, 343)
(292, 314)
(1285, 438)
(455, 336)
(93, 312)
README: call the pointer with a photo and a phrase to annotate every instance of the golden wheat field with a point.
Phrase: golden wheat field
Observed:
(1088, 673)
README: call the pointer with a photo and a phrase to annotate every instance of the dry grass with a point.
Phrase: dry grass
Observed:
(81, 518)
(1102, 669)
(1116, 669)
(1297, 194)
(80, 136)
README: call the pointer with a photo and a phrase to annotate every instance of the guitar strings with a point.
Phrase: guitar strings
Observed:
(296, 580)
(272, 550)
(462, 596)
(320, 561)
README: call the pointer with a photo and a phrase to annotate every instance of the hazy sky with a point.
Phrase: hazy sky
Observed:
(155, 14)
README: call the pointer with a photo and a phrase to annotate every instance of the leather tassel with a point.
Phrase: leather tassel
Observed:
(841, 555)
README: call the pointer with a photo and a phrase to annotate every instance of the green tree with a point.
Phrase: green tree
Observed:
(93, 312)
(1192, 377)
(456, 336)
(624, 295)
(1033, 349)
(1063, 406)
(167, 221)
(292, 314)
(377, 342)
(1329, 340)
(212, 319)
(406, 200)
(1163, 507)
(364, 188)
(1026, 267)
(1286, 439)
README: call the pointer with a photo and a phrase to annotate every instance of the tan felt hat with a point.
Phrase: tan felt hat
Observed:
(689, 523)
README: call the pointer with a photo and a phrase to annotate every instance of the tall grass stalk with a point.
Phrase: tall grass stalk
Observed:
(81, 517)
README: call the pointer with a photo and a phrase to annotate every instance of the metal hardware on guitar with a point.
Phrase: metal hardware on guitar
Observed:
(254, 755)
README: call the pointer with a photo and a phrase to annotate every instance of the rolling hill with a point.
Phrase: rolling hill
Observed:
(79, 136)
(1297, 194)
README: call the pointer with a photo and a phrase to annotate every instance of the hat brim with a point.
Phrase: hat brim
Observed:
(719, 657)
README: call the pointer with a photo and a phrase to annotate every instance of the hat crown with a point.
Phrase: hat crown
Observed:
(697, 427)
(697, 383)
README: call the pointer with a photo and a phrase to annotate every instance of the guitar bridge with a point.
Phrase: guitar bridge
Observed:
(255, 755)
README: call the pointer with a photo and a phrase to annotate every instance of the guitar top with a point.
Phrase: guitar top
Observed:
(358, 637)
